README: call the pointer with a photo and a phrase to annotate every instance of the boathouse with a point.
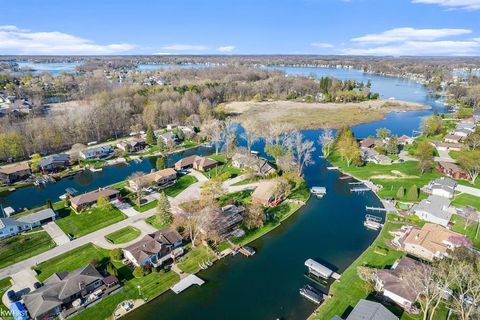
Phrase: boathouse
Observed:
(318, 269)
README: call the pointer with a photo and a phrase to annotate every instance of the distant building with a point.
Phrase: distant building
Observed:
(452, 170)
(367, 143)
(155, 248)
(162, 179)
(196, 162)
(96, 153)
(444, 146)
(169, 139)
(405, 139)
(371, 155)
(433, 242)
(452, 138)
(370, 310)
(433, 209)
(90, 198)
(15, 172)
(54, 162)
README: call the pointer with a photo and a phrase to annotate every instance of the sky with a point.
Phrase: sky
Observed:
(339, 27)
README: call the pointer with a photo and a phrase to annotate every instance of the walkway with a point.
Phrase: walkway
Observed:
(469, 190)
(126, 208)
(56, 233)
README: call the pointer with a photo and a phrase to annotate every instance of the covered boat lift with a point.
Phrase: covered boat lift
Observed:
(318, 269)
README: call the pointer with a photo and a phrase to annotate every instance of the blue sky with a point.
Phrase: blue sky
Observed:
(360, 27)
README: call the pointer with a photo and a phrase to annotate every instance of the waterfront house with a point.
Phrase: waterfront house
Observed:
(452, 138)
(60, 290)
(155, 248)
(10, 226)
(96, 153)
(367, 143)
(393, 283)
(261, 167)
(452, 170)
(404, 139)
(221, 222)
(265, 193)
(54, 162)
(82, 201)
(371, 155)
(196, 162)
(443, 186)
(133, 145)
(161, 179)
(434, 209)
(15, 172)
(188, 131)
(433, 241)
(168, 139)
(370, 310)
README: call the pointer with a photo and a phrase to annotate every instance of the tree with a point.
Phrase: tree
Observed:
(326, 140)
(111, 270)
(160, 163)
(116, 254)
(214, 130)
(102, 202)
(470, 162)
(424, 154)
(150, 136)
(432, 125)
(281, 189)
(401, 192)
(348, 147)
(164, 213)
(367, 274)
(249, 134)
(303, 152)
(383, 133)
(35, 159)
(211, 190)
(139, 181)
(229, 136)
(138, 272)
(412, 193)
(276, 151)
(254, 216)
(392, 146)
(466, 284)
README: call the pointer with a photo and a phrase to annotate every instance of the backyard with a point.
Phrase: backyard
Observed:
(123, 235)
(189, 263)
(471, 231)
(224, 170)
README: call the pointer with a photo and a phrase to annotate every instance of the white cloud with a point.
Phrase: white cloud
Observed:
(453, 4)
(226, 49)
(321, 45)
(404, 34)
(21, 41)
(184, 47)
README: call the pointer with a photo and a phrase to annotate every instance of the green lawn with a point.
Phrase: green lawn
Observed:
(154, 222)
(350, 289)
(239, 198)
(470, 232)
(23, 246)
(87, 221)
(463, 200)
(5, 284)
(145, 207)
(189, 263)
(224, 168)
(71, 260)
(391, 177)
(123, 235)
(182, 183)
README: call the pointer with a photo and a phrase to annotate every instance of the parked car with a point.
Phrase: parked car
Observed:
(37, 285)
(12, 296)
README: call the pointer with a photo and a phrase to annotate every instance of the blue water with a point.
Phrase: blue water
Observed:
(53, 68)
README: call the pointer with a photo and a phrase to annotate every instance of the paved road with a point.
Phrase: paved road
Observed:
(469, 190)
(56, 233)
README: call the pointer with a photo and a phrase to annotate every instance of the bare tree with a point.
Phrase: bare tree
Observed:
(254, 216)
(326, 140)
(466, 283)
(281, 189)
(214, 130)
(211, 190)
(139, 182)
(249, 134)
(302, 151)
(229, 136)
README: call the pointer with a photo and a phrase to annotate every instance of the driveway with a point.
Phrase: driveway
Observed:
(469, 190)
(126, 208)
(56, 233)
(22, 284)
(444, 156)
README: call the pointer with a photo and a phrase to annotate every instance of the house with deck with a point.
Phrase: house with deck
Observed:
(196, 162)
(96, 153)
(155, 248)
(261, 167)
(54, 162)
(133, 145)
(265, 193)
(452, 170)
(435, 209)
(88, 199)
(160, 179)
(222, 221)
(16, 172)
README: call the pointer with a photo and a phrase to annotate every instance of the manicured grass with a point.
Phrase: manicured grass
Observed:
(123, 235)
(223, 170)
(154, 222)
(470, 232)
(182, 183)
(239, 198)
(5, 284)
(247, 181)
(189, 263)
(391, 177)
(301, 192)
(463, 200)
(71, 260)
(23, 246)
(350, 289)
(145, 207)
(88, 221)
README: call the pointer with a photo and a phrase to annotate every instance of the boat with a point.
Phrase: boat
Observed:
(311, 294)
(345, 177)
(247, 251)
(318, 191)
(372, 222)
(92, 169)
(332, 168)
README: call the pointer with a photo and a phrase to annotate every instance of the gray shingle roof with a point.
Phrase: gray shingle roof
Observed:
(38, 216)
(369, 310)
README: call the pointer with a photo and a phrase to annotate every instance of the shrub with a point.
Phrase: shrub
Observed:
(401, 192)
(138, 272)
(412, 193)
(116, 254)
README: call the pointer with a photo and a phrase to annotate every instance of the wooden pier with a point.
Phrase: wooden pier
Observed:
(359, 189)
(375, 209)
(356, 183)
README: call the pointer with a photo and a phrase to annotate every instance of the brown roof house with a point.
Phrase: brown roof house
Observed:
(221, 222)
(155, 248)
(452, 170)
(433, 242)
(394, 282)
(133, 145)
(90, 198)
(367, 143)
(452, 138)
(14, 173)
(196, 162)
(261, 167)
(60, 290)
(162, 179)
(265, 193)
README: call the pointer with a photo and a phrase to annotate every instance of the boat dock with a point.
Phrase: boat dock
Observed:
(356, 183)
(359, 189)
(318, 191)
(186, 283)
(312, 294)
(332, 168)
(320, 270)
(247, 251)
(372, 222)
(375, 208)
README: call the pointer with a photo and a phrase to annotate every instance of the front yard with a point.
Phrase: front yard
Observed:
(182, 183)
(88, 221)
(123, 235)
(224, 170)
(24, 246)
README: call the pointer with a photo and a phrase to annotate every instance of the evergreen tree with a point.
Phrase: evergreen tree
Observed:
(150, 137)
(412, 193)
(160, 163)
(164, 213)
(401, 192)
(111, 270)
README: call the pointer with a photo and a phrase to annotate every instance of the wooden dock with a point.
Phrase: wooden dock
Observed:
(360, 189)
(375, 209)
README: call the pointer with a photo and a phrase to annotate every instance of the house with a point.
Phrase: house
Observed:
(452, 170)
(466, 125)
(433, 209)
(155, 248)
(231, 208)
(367, 143)
(444, 146)
(371, 155)
(15, 172)
(10, 227)
(260, 166)
(370, 310)
(265, 193)
(172, 126)
(452, 138)
(133, 145)
(188, 131)
(38, 218)
(96, 153)
(222, 221)
(54, 162)
(162, 179)
(79, 202)
(60, 290)
(394, 284)
(433, 241)
(169, 139)
(196, 162)
(405, 140)
(443, 186)
(462, 132)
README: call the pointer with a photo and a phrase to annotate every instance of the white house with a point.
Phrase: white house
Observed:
(443, 187)
(434, 209)
(10, 227)
(96, 153)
